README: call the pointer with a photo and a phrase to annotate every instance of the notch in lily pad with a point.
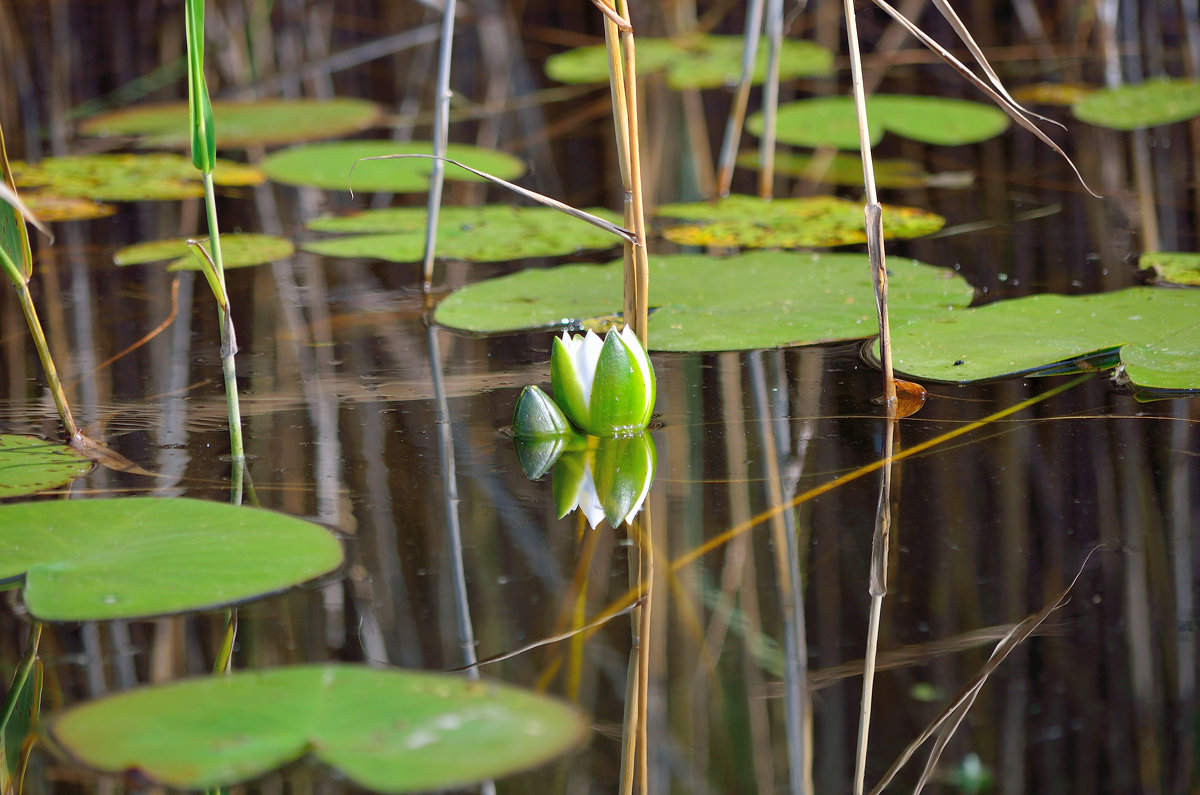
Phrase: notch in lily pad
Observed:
(135, 557)
(832, 121)
(385, 730)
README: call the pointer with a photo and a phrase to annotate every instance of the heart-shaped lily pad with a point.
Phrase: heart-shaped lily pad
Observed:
(812, 221)
(266, 122)
(29, 465)
(126, 177)
(237, 251)
(754, 300)
(847, 169)
(89, 560)
(475, 234)
(1173, 267)
(387, 730)
(328, 165)
(831, 121)
(1155, 102)
(1157, 332)
(706, 61)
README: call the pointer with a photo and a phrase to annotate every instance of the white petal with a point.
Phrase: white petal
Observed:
(586, 356)
(589, 501)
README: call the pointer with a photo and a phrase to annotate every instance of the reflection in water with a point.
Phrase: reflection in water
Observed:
(744, 674)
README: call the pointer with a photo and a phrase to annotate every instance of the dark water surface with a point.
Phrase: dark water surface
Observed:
(342, 425)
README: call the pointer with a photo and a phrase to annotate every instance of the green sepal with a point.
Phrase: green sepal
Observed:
(623, 470)
(536, 416)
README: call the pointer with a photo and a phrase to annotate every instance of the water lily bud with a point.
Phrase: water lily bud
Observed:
(605, 388)
(608, 480)
(537, 417)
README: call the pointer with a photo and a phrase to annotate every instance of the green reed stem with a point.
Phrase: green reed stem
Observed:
(21, 675)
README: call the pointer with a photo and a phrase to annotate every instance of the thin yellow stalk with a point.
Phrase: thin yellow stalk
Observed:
(43, 350)
(637, 305)
(873, 215)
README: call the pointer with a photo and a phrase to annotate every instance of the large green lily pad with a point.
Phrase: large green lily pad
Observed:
(267, 122)
(847, 169)
(812, 221)
(754, 300)
(1155, 102)
(707, 61)
(1157, 332)
(387, 730)
(1173, 267)
(238, 250)
(328, 165)
(831, 121)
(85, 560)
(29, 465)
(127, 177)
(475, 234)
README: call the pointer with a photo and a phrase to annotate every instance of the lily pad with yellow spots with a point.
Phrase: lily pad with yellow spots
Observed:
(51, 208)
(127, 177)
(1173, 267)
(811, 222)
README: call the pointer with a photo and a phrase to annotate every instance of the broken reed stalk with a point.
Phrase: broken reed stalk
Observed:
(204, 155)
(441, 112)
(622, 72)
(43, 350)
(873, 215)
(878, 589)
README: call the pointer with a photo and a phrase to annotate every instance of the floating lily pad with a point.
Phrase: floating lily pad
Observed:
(51, 208)
(387, 730)
(1173, 267)
(475, 234)
(755, 300)
(831, 121)
(268, 122)
(1155, 331)
(90, 560)
(29, 465)
(751, 222)
(328, 165)
(127, 177)
(237, 251)
(1150, 104)
(707, 61)
(847, 169)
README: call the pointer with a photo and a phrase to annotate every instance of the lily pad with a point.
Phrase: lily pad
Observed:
(1173, 267)
(475, 234)
(267, 122)
(328, 165)
(847, 169)
(92, 560)
(29, 465)
(387, 730)
(751, 222)
(754, 300)
(707, 61)
(50, 208)
(831, 121)
(127, 177)
(237, 251)
(1156, 333)
(1052, 93)
(1153, 103)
